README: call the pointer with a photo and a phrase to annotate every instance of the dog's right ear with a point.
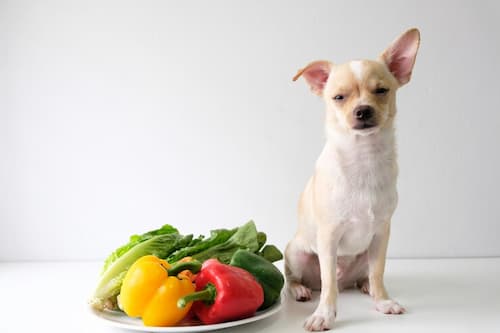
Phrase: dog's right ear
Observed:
(316, 74)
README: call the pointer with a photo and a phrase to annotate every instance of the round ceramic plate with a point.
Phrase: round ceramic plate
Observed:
(120, 320)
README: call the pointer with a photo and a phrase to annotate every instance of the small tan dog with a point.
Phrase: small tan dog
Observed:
(345, 210)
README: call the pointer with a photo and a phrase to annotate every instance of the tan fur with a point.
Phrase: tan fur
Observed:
(345, 83)
(346, 207)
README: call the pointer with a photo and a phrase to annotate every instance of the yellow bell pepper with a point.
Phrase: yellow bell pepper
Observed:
(151, 289)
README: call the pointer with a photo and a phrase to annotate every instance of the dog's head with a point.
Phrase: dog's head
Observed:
(361, 95)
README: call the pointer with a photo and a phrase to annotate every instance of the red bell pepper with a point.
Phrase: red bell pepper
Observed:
(224, 293)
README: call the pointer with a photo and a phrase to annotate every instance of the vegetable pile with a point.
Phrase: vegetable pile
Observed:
(162, 275)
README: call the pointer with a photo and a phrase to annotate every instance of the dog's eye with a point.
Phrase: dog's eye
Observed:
(381, 91)
(338, 97)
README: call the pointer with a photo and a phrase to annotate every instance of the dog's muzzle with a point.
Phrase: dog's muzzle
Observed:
(364, 117)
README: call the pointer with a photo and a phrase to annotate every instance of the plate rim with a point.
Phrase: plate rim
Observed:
(101, 316)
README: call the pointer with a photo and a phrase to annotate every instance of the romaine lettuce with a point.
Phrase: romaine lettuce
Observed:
(160, 245)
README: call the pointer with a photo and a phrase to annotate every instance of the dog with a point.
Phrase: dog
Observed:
(345, 210)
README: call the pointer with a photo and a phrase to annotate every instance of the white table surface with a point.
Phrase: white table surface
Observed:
(452, 295)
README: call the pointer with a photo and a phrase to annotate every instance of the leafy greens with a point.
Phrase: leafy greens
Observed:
(167, 243)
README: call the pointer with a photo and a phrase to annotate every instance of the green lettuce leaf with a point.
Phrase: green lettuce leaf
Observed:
(245, 237)
(217, 236)
(160, 245)
(134, 240)
(271, 253)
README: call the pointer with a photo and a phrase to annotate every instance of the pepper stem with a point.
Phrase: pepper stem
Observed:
(193, 266)
(207, 295)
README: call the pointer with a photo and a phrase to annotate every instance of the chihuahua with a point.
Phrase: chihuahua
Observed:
(346, 207)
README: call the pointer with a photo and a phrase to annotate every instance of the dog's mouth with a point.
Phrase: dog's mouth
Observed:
(362, 125)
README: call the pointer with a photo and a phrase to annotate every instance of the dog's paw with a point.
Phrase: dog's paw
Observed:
(364, 286)
(320, 320)
(388, 306)
(300, 292)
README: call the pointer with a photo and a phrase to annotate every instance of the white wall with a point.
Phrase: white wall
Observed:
(119, 116)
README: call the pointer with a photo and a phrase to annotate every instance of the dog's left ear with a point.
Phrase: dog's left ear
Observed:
(400, 55)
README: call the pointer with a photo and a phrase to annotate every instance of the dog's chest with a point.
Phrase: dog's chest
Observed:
(365, 188)
(363, 192)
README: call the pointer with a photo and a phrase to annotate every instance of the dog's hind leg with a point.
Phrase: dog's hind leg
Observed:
(364, 285)
(301, 270)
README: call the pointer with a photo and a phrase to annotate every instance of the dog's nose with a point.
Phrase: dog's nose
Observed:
(363, 112)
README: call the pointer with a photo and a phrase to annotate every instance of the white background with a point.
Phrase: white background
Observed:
(119, 116)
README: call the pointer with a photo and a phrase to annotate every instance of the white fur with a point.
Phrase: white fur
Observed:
(357, 69)
(364, 193)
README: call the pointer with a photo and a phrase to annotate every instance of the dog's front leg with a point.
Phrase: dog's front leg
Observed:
(376, 264)
(328, 237)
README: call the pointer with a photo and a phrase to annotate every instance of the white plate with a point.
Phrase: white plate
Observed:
(120, 320)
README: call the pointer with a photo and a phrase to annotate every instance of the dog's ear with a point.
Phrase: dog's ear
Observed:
(400, 55)
(316, 74)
